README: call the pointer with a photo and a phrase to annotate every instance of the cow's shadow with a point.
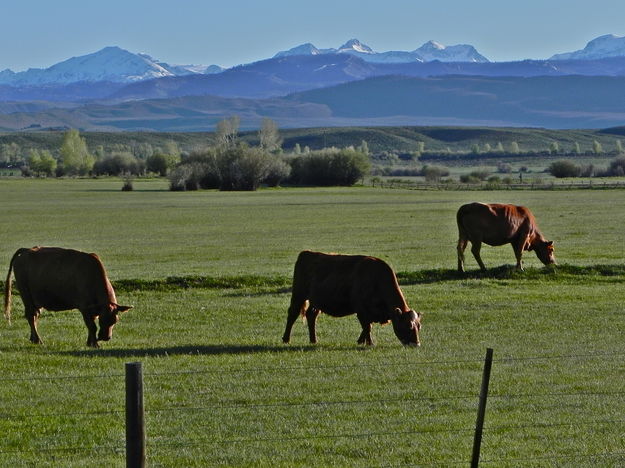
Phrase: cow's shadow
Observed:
(190, 350)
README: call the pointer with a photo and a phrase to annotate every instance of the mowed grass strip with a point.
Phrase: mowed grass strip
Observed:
(222, 389)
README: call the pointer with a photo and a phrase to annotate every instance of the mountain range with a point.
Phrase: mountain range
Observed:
(114, 89)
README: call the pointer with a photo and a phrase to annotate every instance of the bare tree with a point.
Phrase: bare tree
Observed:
(269, 136)
(227, 131)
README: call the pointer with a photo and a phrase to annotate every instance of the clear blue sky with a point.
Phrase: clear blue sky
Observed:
(40, 33)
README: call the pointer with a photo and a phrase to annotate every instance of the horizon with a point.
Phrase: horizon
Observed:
(202, 34)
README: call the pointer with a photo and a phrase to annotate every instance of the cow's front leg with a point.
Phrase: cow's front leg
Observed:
(518, 248)
(32, 315)
(365, 336)
(92, 328)
(311, 319)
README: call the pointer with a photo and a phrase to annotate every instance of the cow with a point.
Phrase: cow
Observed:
(498, 224)
(55, 279)
(341, 285)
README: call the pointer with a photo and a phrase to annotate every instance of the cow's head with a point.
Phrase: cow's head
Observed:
(406, 326)
(108, 320)
(544, 251)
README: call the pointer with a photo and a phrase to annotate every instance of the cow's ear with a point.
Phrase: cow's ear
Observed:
(122, 308)
(550, 244)
(396, 313)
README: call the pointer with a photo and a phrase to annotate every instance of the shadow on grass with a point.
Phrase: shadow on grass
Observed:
(189, 350)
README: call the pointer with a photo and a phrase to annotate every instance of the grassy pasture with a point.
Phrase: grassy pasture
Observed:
(221, 389)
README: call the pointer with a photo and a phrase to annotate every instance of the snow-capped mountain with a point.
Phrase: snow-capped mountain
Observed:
(112, 64)
(601, 47)
(428, 52)
(432, 50)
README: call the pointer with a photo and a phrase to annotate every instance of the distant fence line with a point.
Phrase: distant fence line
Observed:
(487, 186)
(27, 418)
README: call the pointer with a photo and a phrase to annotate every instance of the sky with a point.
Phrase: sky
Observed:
(40, 33)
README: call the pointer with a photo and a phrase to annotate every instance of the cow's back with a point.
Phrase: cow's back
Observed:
(61, 279)
(494, 223)
(341, 284)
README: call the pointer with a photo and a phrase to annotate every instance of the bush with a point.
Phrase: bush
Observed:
(278, 171)
(229, 168)
(617, 167)
(469, 179)
(329, 167)
(564, 168)
(117, 164)
(434, 173)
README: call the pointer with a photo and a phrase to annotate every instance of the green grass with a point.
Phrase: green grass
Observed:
(208, 274)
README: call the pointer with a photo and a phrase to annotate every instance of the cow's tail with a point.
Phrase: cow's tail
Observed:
(7, 288)
(462, 232)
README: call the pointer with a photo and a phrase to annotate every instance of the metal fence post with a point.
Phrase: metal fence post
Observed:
(481, 410)
(135, 427)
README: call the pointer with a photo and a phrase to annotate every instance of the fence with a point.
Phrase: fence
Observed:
(141, 439)
(532, 185)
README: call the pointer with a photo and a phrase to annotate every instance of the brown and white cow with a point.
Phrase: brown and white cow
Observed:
(54, 278)
(341, 285)
(498, 224)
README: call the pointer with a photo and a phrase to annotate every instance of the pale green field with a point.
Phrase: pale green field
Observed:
(221, 388)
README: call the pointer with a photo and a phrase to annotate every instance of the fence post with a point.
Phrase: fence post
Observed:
(481, 410)
(135, 427)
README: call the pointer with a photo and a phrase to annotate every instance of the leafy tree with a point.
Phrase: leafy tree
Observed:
(269, 136)
(161, 164)
(47, 163)
(119, 163)
(499, 147)
(297, 149)
(554, 147)
(74, 154)
(596, 147)
(576, 148)
(619, 146)
(514, 148)
(364, 147)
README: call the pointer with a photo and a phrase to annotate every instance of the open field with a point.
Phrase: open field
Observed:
(221, 388)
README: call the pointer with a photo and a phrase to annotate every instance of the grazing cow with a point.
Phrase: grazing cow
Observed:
(61, 279)
(499, 224)
(341, 285)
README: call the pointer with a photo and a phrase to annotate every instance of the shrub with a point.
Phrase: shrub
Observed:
(469, 179)
(564, 168)
(329, 167)
(434, 173)
(277, 171)
(617, 167)
(117, 164)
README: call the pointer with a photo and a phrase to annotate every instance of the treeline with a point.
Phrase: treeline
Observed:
(225, 163)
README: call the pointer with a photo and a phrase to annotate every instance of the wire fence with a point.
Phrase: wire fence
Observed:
(436, 424)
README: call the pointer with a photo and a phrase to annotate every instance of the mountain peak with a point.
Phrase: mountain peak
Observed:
(608, 45)
(354, 45)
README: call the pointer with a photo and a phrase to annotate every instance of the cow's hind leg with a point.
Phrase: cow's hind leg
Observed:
(462, 244)
(32, 315)
(92, 328)
(475, 250)
(311, 319)
(294, 312)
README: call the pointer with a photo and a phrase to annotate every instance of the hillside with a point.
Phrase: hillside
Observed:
(399, 139)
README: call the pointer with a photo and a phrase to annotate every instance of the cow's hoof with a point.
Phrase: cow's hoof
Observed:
(93, 345)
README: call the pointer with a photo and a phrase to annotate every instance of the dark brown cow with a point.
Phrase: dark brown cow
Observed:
(499, 224)
(53, 278)
(340, 285)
